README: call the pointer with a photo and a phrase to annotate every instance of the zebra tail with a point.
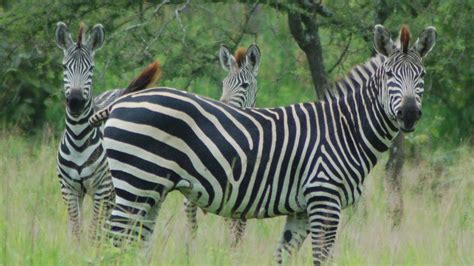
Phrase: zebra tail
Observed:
(96, 119)
(148, 77)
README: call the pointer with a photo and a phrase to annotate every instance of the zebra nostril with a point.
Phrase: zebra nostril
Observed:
(399, 114)
(419, 113)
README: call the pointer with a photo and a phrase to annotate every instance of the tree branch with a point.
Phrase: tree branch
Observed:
(343, 54)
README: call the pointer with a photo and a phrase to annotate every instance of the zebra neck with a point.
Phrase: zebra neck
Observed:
(381, 128)
(374, 131)
(78, 130)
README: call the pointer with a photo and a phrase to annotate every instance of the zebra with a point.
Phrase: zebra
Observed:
(239, 89)
(306, 161)
(81, 163)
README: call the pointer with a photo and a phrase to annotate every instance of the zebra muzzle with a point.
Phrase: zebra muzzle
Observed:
(75, 102)
(408, 115)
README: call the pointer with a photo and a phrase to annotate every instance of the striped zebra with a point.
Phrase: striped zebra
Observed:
(239, 89)
(307, 161)
(81, 163)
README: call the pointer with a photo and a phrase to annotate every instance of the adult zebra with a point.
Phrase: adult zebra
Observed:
(239, 89)
(81, 163)
(306, 161)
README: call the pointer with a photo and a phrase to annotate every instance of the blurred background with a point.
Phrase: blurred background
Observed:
(305, 46)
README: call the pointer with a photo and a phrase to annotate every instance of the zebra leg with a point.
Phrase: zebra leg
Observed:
(323, 215)
(103, 202)
(237, 227)
(295, 232)
(191, 215)
(73, 202)
(133, 216)
(150, 218)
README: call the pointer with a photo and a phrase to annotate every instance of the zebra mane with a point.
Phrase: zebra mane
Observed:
(404, 38)
(80, 34)
(355, 80)
(240, 54)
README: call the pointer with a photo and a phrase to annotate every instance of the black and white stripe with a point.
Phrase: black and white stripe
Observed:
(239, 89)
(81, 163)
(307, 161)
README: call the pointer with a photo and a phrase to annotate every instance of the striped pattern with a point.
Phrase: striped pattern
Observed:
(307, 161)
(239, 89)
(81, 162)
(356, 79)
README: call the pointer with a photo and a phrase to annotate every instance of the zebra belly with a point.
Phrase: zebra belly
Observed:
(195, 195)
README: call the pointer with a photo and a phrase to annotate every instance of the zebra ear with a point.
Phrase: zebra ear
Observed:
(227, 60)
(62, 36)
(96, 38)
(426, 41)
(253, 58)
(383, 44)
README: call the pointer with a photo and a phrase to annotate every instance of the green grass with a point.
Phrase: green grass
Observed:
(437, 228)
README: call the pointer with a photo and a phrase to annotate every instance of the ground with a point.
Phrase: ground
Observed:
(437, 227)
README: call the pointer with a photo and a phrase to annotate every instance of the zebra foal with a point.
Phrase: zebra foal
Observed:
(239, 89)
(81, 161)
(306, 161)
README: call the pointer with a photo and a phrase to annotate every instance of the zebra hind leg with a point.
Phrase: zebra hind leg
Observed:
(191, 215)
(237, 227)
(295, 232)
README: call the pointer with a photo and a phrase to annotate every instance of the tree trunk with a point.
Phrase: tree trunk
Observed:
(304, 30)
(393, 182)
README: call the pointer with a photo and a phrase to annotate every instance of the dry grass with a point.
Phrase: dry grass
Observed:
(437, 227)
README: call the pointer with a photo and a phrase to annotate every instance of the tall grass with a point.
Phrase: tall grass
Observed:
(437, 228)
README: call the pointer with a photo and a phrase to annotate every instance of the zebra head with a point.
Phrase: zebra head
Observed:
(401, 75)
(239, 88)
(78, 64)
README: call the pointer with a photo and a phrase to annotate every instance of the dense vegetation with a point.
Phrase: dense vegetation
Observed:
(438, 184)
(186, 38)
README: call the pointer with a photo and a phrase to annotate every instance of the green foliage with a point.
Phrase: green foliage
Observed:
(186, 39)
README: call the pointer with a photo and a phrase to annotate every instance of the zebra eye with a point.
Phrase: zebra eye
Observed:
(245, 85)
(64, 67)
(91, 68)
(422, 74)
(389, 74)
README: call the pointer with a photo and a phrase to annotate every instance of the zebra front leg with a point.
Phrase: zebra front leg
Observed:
(323, 217)
(191, 215)
(295, 232)
(74, 208)
(237, 227)
(103, 199)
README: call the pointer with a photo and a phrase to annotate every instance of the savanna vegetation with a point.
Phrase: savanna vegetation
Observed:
(437, 182)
